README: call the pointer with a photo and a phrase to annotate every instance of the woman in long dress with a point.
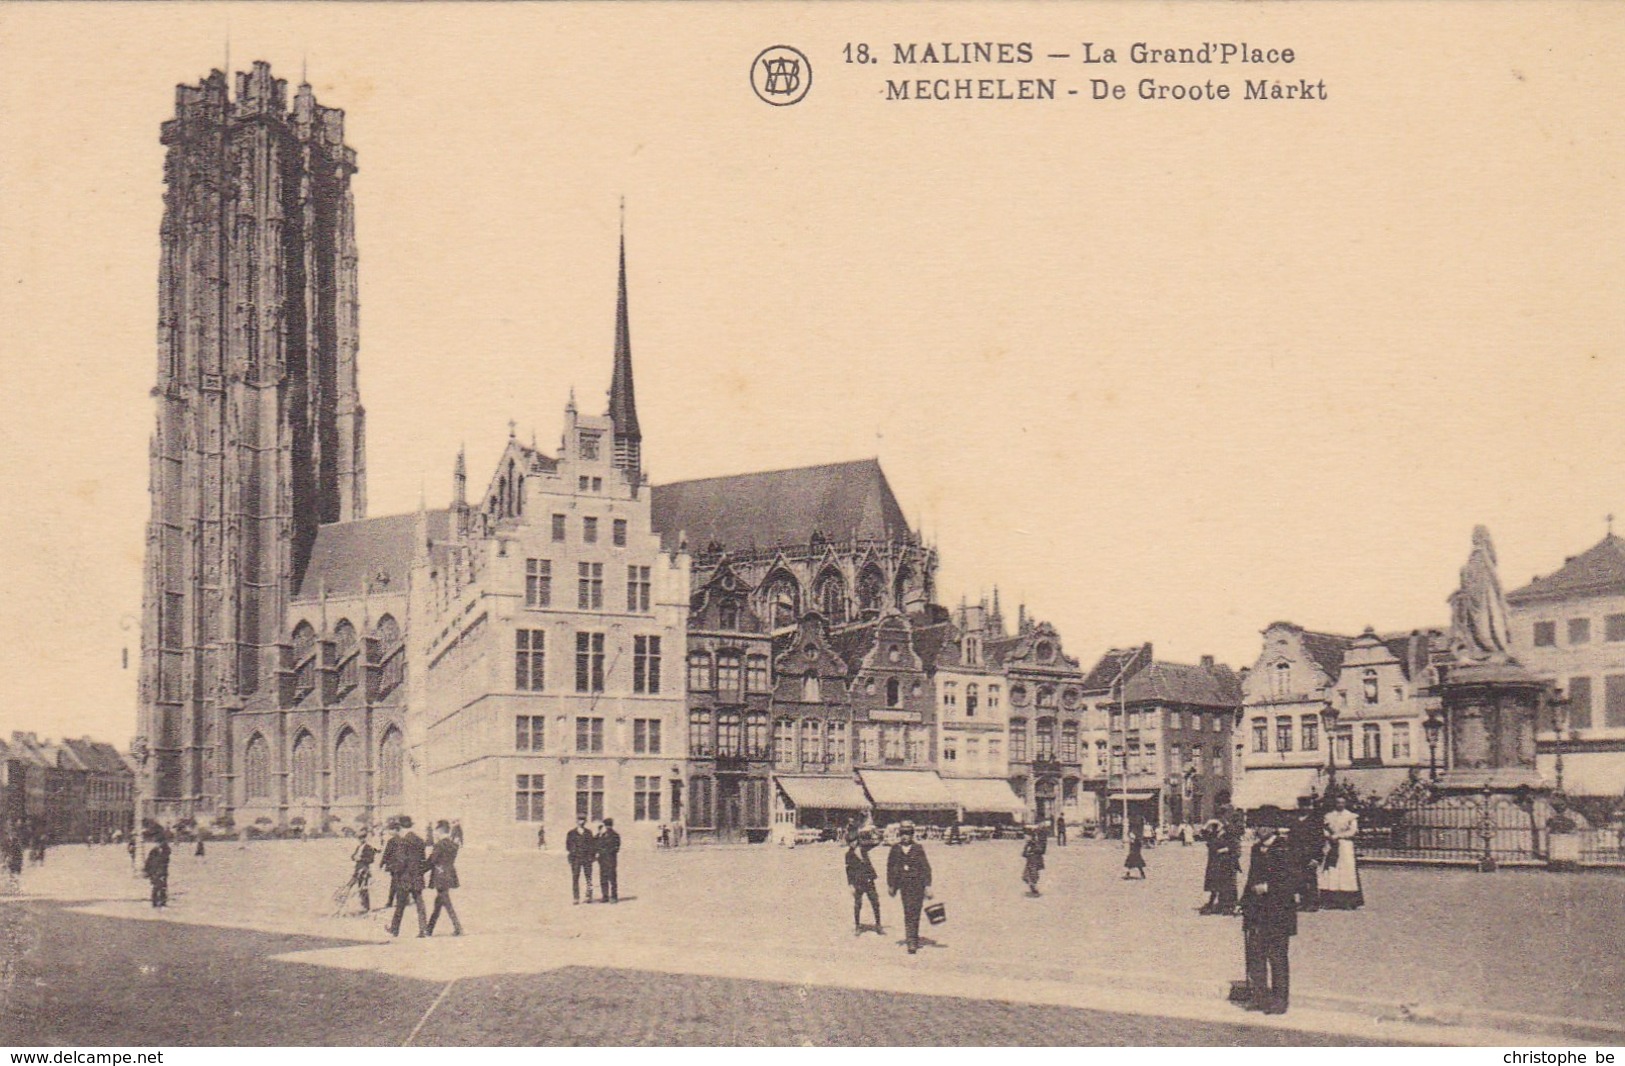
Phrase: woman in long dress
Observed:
(1339, 875)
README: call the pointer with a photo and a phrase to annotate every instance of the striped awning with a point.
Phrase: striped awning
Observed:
(984, 795)
(907, 790)
(836, 792)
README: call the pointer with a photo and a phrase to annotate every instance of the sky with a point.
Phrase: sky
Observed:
(1161, 371)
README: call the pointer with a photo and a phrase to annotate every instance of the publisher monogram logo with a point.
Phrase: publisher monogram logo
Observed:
(781, 75)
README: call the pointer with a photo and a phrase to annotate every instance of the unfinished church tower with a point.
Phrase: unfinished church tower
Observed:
(259, 437)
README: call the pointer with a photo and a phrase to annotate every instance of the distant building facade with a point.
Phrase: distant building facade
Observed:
(1376, 692)
(1569, 627)
(67, 791)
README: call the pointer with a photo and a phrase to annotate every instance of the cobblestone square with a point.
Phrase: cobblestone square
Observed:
(1516, 951)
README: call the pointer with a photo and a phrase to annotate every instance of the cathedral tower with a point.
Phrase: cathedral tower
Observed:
(260, 429)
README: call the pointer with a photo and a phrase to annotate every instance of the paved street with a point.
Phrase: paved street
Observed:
(760, 937)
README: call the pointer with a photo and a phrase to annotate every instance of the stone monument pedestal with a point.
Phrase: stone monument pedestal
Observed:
(1490, 711)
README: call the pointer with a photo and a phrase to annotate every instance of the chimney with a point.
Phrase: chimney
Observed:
(1207, 662)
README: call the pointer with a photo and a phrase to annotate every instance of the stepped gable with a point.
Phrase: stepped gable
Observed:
(779, 507)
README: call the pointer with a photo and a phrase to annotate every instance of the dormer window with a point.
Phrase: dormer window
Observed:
(1368, 681)
(893, 653)
(589, 445)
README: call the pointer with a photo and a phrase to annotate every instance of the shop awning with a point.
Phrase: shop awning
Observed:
(1274, 788)
(839, 793)
(1119, 797)
(910, 790)
(984, 795)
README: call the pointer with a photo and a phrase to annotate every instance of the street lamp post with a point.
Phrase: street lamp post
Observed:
(1560, 723)
(1328, 718)
(1433, 726)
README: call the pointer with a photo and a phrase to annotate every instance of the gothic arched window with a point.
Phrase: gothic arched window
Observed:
(391, 763)
(256, 769)
(830, 595)
(303, 767)
(389, 654)
(345, 647)
(871, 590)
(900, 588)
(783, 599)
(347, 765)
(304, 660)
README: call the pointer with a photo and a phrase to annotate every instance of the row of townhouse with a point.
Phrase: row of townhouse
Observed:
(65, 791)
(1366, 711)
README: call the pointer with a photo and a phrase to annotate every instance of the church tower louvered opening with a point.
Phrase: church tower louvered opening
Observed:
(260, 428)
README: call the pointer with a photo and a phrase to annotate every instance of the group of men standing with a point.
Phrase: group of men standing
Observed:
(410, 860)
(583, 848)
(908, 873)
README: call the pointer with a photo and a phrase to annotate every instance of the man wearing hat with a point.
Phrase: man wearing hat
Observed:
(609, 863)
(908, 871)
(410, 858)
(361, 877)
(580, 848)
(1269, 920)
(443, 877)
(386, 861)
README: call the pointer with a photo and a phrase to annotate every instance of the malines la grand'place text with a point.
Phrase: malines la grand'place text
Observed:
(1172, 81)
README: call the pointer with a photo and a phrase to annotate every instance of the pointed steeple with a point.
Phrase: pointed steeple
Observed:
(459, 480)
(623, 407)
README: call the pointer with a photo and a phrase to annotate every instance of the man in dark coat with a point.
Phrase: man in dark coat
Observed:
(908, 871)
(157, 871)
(443, 877)
(1269, 921)
(392, 847)
(361, 873)
(580, 848)
(1306, 840)
(1060, 830)
(609, 863)
(860, 874)
(410, 860)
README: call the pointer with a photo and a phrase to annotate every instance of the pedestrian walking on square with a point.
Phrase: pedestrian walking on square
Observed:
(1060, 830)
(861, 876)
(908, 872)
(1136, 856)
(12, 848)
(609, 863)
(443, 876)
(1033, 853)
(410, 861)
(1269, 921)
(1219, 879)
(580, 849)
(361, 875)
(1339, 876)
(392, 847)
(198, 851)
(157, 871)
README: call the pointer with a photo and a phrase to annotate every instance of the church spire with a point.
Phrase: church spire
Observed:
(459, 480)
(623, 408)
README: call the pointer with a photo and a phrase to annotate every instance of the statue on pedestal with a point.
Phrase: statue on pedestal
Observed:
(1479, 631)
